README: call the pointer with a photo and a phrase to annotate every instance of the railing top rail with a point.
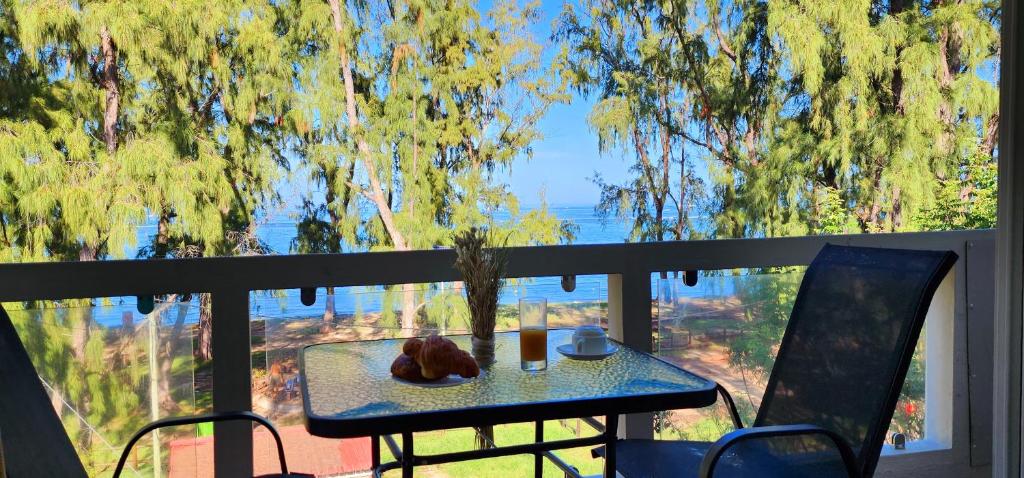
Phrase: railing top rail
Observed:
(65, 280)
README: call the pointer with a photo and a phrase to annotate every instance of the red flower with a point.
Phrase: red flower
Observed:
(910, 408)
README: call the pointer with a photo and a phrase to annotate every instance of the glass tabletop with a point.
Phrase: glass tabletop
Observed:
(351, 381)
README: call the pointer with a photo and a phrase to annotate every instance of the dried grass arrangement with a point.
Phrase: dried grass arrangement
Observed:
(483, 271)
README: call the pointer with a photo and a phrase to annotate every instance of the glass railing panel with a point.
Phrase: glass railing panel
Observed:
(109, 370)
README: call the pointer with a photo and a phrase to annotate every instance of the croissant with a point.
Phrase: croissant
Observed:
(405, 367)
(412, 347)
(436, 357)
(466, 365)
(433, 358)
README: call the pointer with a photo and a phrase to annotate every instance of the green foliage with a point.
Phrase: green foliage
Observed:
(448, 309)
(193, 136)
(811, 116)
(770, 297)
(832, 215)
(404, 141)
(965, 201)
(709, 428)
(619, 51)
(443, 95)
(97, 377)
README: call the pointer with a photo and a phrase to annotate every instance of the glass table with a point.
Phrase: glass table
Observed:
(348, 392)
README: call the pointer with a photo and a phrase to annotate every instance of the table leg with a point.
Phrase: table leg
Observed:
(375, 451)
(538, 458)
(611, 425)
(407, 455)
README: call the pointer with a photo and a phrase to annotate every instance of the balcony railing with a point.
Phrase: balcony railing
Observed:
(957, 430)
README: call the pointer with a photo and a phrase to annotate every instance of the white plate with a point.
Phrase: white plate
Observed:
(568, 351)
(449, 381)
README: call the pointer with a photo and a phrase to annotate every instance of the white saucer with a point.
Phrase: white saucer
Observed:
(568, 351)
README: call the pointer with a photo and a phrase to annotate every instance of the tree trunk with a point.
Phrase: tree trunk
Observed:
(950, 65)
(661, 192)
(897, 210)
(410, 199)
(666, 165)
(408, 306)
(869, 218)
(81, 327)
(162, 246)
(204, 347)
(168, 348)
(80, 331)
(988, 143)
(329, 307)
(896, 85)
(682, 208)
(376, 193)
(112, 86)
(88, 252)
(484, 437)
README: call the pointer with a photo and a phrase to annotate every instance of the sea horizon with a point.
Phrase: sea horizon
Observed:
(278, 230)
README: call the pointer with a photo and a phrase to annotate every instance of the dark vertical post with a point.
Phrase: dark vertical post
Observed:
(979, 282)
(232, 382)
(1009, 277)
(375, 452)
(407, 455)
(611, 424)
(538, 457)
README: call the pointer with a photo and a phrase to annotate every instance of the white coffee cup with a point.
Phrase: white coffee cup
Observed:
(590, 340)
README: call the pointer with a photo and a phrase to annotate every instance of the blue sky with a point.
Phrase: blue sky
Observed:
(567, 156)
(564, 160)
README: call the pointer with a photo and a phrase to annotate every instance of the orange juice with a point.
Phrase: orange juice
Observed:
(533, 344)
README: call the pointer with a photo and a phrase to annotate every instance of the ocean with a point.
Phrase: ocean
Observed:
(277, 232)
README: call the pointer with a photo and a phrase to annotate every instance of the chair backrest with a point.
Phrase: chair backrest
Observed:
(850, 340)
(35, 443)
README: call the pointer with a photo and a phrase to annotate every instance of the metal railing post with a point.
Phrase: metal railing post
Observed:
(629, 321)
(232, 382)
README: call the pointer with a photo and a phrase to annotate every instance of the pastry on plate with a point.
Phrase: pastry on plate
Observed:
(433, 358)
(405, 367)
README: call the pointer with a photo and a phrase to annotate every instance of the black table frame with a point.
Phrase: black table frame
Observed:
(407, 460)
(382, 427)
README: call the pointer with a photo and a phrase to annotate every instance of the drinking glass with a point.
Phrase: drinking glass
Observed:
(533, 334)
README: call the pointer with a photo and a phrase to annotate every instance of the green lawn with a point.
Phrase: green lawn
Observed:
(505, 467)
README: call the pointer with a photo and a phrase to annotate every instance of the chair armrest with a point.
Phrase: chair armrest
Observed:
(733, 412)
(719, 448)
(207, 418)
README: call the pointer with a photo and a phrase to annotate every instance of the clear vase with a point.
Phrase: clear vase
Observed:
(483, 351)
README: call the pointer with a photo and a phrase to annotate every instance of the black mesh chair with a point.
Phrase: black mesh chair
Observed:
(836, 379)
(34, 439)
